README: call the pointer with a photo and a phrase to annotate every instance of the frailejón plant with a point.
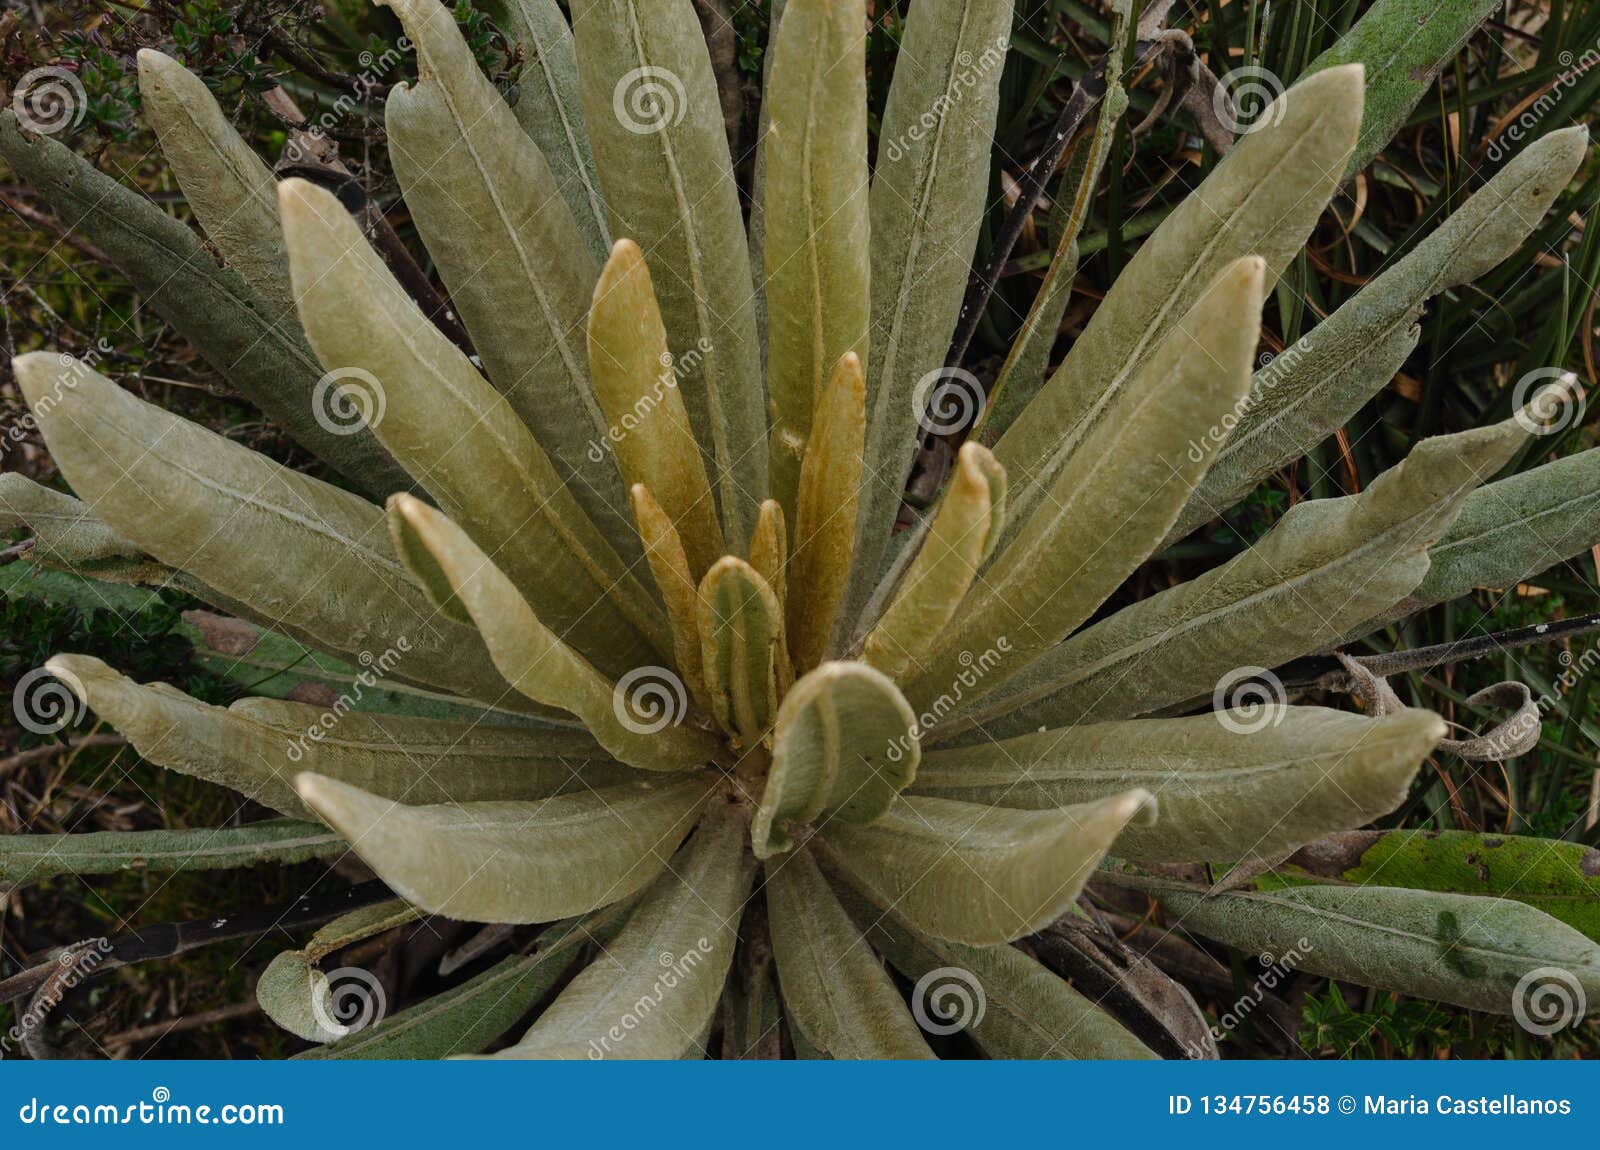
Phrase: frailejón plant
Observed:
(680, 693)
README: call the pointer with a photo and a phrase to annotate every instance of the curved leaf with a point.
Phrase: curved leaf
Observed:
(293, 550)
(741, 646)
(409, 381)
(535, 661)
(977, 874)
(966, 526)
(656, 987)
(514, 861)
(844, 746)
(1226, 791)
(297, 996)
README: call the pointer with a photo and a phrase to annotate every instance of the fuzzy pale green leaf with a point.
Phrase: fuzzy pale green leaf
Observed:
(826, 513)
(816, 220)
(34, 858)
(929, 192)
(486, 205)
(256, 746)
(1262, 200)
(1467, 951)
(514, 861)
(1314, 387)
(1011, 1004)
(292, 550)
(978, 874)
(550, 109)
(1114, 501)
(1404, 45)
(844, 746)
(654, 989)
(835, 990)
(967, 524)
(650, 99)
(538, 663)
(647, 425)
(409, 382)
(212, 307)
(1328, 565)
(1228, 789)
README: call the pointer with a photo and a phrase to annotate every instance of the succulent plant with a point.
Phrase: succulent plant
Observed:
(678, 692)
